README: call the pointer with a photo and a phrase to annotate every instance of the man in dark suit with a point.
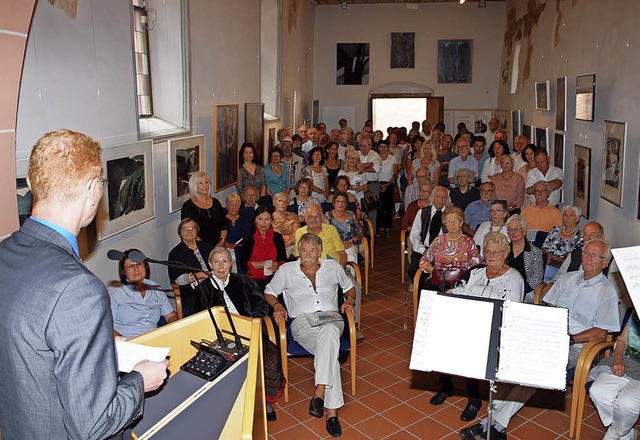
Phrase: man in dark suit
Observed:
(427, 225)
(58, 362)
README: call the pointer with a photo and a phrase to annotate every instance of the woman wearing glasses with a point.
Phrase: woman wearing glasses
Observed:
(524, 256)
(499, 213)
(137, 303)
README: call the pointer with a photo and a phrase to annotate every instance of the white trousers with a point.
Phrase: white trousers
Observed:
(323, 342)
(617, 400)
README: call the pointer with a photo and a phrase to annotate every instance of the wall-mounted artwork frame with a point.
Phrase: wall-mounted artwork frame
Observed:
(128, 199)
(403, 50)
(272, 138)
(225, 146)
(542, 138)
(516, 123)
(558, 150)
(582, 179)
(186, 157)
(542, 96)
(585, 97)
(527, 131)
(352, 64)
(254, 128)
(613, 161)
(455, 61)
(23, 193)
(561, 103)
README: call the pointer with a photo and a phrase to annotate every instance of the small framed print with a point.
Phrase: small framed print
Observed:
(561, 103)
(542, 96)
(558, 150)
(542, 138)
(186, 157)
(585, 97)
(613, 162)
(516, 123)
(582, 179)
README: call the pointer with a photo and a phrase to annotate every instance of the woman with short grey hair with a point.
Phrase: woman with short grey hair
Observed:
(523, 256)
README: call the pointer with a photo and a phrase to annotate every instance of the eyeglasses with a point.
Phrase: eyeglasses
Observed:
(104, 181)
(496, 210)
(131, 267)
(540, 191)
(514, 229)
(492, 253)
(592, 255)
(188, 228)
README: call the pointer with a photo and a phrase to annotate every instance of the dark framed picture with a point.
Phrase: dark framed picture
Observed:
(561, 103)
(403, 52)
(585, 97)
(186, 156)
(516, 123)
(582, 179)
(225, 146)
(558, 150)
(315, 112)
(526, 131)
(352, 64)
(128, 198)
(254, 128)
(23, 192)
(272, 138)
(613, 163)
(542, 96)
(542, 138)
(455, 61)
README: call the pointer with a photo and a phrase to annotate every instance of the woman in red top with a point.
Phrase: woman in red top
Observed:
(263, 251)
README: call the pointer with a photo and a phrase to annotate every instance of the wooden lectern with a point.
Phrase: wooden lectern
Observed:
(230, 407)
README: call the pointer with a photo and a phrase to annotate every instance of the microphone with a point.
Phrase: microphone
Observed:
(116, 255)
(137, 257)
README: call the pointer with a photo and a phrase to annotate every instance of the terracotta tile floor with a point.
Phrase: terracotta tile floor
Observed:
(392, 401)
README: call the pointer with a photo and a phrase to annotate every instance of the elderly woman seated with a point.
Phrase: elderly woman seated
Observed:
(562, 240)
(243, 297)
(523, 256)
(137, 304)
(284, 222)
(347, 224)
(494, 280)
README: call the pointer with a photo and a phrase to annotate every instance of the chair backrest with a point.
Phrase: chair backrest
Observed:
(178, 298)
(541, 236)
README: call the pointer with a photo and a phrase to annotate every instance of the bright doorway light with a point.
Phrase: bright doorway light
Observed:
(397, 112)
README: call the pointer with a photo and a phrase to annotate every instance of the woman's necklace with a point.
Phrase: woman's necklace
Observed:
(564, 229)
(496, 272)
(507, 178)
(450, 236)
(497, 230)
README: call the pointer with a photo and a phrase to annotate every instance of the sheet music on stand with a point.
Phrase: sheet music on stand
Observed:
(628, 261)
(463, 335)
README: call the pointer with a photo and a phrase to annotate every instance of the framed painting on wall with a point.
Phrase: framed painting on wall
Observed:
(614, 150)
(23, 192)
(561, 103)
(516, 123)
(542, 138)
(558, 150)
(455, 61)
(254, 128)
(186, 157)
(585, 97)
(352, 64)
(542, 96)
(128, 198)
(526, 131)
(272, 138)
(582, 179)
(225, 146)
(403, 53)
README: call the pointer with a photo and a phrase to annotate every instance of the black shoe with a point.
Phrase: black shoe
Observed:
(470, 412)
(474, 432)
(441, 396)
(271, 416)
(333, 426)
(316, 407)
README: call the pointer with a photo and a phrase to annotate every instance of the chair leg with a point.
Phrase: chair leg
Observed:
(366, 274)
(353, 341)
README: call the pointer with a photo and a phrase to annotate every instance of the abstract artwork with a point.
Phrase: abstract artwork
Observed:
(254, 128)
(352, 64)
(613, 163)
(455, 59)
(225, 147)
(561, 103)
(582, 179)
(403, 53)
(186, 157)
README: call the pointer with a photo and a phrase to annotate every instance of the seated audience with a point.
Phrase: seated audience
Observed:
(562, 240)
(138, 303)
(276, 174)
(205, 210)
(499, 213)
(528, 163)
(477, 212)
(415, 206)
(243, 297)
(479, 144)
(355, 171)
(411, 193)
(573, 262)
(303, 198)
(238, 227)
(284, 222)
(497, 149)
(523, 256)
(464, 193)
(192, 253)
(463, 160)
(347, 224)
(542, 216)
(343, 185)
(509, 185)
(263, 251)
(592, 302)
(494, 280)
(544, 171)
(317, 172)
(615, 391)
(249, 203)
(310, 285)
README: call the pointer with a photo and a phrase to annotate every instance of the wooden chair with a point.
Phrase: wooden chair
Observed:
(289, 348)
(178, 298)
(416, 291)
(538, 295)
(405, 253)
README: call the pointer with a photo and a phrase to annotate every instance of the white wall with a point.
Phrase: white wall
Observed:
(431, 22)
(78, 74)
(600, 40)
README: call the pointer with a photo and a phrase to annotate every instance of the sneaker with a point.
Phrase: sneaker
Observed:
(359, 335)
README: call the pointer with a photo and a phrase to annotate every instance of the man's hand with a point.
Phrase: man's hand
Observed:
(618, 367)
(153, 373)
(347, 306)
(279, 311)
